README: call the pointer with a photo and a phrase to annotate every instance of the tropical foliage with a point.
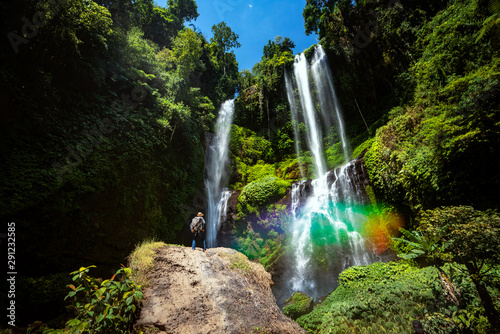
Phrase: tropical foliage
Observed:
(387, 297)
(100, 103)
(105, 105)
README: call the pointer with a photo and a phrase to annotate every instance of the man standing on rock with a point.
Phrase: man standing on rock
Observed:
(198, 228)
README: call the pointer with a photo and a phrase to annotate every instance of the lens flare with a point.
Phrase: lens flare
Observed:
(379, 227)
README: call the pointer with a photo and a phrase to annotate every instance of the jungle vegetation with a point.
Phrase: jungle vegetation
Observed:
(104, 109)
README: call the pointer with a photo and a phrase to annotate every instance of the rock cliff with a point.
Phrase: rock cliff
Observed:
(217, 291)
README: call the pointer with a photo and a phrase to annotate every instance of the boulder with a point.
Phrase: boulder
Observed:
(217, 291)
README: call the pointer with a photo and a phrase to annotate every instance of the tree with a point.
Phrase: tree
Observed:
(425, 250)
(162, 24)
(313, 13)
(183, 11)
(471, 238)
(278, 46)
(262, 90)
(187, 49)
(223, 41)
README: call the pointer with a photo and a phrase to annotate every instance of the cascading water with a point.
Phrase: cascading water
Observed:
(216, 162)
(315, 142)
(325, 227)
(327, 97)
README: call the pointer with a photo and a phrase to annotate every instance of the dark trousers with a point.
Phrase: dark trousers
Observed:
(199, 234)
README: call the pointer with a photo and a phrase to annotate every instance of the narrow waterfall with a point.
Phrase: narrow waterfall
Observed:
(216, 162)
(326, 225)
(327, 97)
(314, 138)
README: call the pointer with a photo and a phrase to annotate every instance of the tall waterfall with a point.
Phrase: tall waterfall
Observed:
(216, 162)
(325, 226)
(327, 97)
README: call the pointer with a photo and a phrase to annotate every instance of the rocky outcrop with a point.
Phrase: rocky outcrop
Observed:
(227, 236)
(346, 182)
(217, 291)
(356, 177)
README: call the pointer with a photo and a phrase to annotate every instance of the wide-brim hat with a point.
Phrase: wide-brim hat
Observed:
(200, 214)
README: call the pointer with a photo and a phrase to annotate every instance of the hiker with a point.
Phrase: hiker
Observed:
(198, 228)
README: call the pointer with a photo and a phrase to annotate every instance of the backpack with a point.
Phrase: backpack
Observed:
(197, 224)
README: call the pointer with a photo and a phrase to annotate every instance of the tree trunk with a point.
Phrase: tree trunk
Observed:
(450, 290)
(489, 308)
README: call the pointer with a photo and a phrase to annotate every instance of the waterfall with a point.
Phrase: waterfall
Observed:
(222, 206)
(325, 226)
(315, 142)
(327, 97)
(216, 162)
(295, 116)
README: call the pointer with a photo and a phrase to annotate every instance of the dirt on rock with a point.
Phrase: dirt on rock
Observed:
(217, 291)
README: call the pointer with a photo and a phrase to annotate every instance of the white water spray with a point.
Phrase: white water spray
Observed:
(216, 162)
(325, 240)
(327, 97)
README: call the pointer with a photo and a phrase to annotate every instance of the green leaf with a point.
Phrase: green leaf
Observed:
(127, 271)
(99, 292)
(407, 256)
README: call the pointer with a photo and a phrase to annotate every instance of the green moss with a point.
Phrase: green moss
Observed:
(371, 195)
(298, 305)
(436, 150)
(272, 253)
(239, 263)
(259, 171)
(387, 297)
(382, 297)
(289, 169)
(364, 146)
(250, 148)
(262, 192)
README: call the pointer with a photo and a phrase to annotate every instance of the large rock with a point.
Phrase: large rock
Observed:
(217, 291)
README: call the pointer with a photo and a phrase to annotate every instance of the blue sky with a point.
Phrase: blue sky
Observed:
(256, 22)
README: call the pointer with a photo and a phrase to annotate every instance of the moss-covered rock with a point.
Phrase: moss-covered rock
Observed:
(262, 192)
(387, 297)
(298, 305)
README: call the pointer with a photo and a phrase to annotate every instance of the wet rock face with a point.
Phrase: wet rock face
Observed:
(226, 236)
(354, 177)
(217, 291)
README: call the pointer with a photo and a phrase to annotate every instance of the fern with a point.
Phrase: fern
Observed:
(421, 245)
(492, 21)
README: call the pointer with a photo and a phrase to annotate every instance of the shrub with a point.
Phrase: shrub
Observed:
(298, 305)
(103, 307)
(262, 192)
(382, 297)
